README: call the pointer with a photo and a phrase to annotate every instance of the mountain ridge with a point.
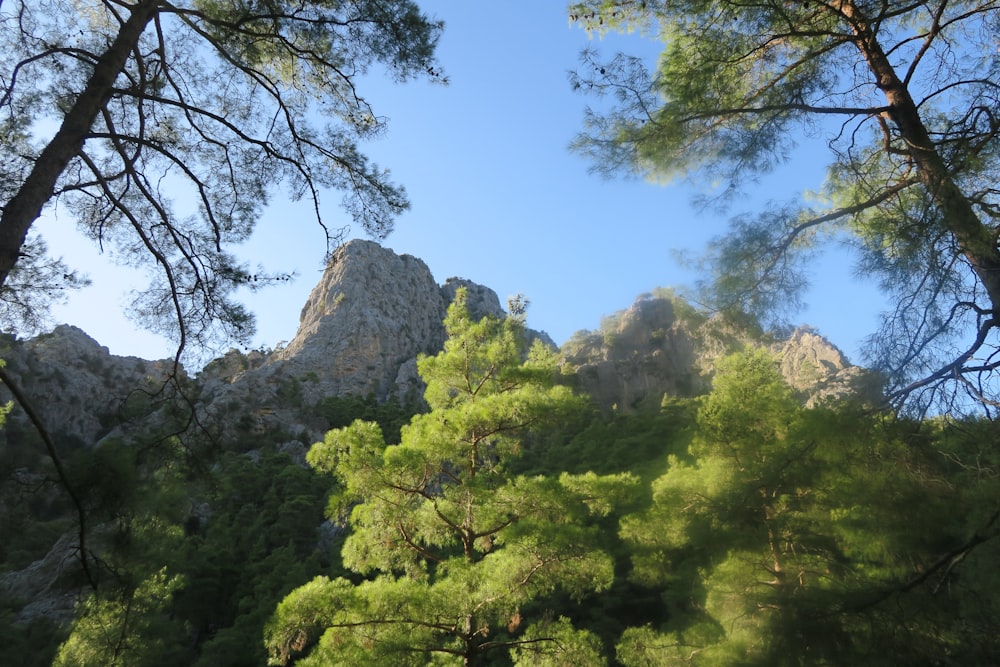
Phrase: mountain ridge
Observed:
(365, 323)
(360, 334)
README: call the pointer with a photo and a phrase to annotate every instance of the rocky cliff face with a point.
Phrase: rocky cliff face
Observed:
(661, 346)
(360, 332)
(813, 365)
(75, 384)
(372, 313)
(638, 355)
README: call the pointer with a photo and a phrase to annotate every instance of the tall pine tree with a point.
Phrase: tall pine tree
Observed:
(457, 554)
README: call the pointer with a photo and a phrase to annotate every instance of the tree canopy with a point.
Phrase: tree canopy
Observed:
(907, 96)
(790, 536)
(162, 128)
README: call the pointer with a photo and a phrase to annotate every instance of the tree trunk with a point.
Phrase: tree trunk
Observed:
(21, 211)
(976, 241)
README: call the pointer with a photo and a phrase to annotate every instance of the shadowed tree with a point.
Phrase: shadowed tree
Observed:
(162, 128)
(787, 536)
(908, 96)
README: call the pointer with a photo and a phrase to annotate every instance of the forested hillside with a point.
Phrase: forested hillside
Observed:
(510, 518)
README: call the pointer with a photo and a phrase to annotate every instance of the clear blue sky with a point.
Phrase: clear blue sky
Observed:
(497, 197)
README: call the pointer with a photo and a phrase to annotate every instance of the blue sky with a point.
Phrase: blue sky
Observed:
(497, 197)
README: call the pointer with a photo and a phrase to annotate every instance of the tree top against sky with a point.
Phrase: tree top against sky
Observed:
(121, 111)
(907, 97)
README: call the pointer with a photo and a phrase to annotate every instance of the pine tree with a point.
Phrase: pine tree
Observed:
(789, 536)
(904, 95)
(458, 554)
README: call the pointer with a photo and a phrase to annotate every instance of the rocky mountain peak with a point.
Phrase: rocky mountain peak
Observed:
(366, 288)
(652, 348)
(369, 317)
(815, 366)
(360, 332)
(370, 312)
(661, 346)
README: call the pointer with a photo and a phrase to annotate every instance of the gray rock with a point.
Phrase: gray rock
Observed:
(78, 388)
(360, 332)
(816, 367)
(36, 585)
(372, 311)
(481, 301)
(649, 350)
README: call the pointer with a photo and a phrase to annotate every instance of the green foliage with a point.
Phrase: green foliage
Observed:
(588, 441)
(29, 536)
(136, 497)
(34, 643)
(788, 534)
(37, 282)
(225, 149)
(390, 415)
(189, 562)
(556, 643)
(33, 511)
(289, 392)
(456, 548)
(515, 524)
(683, 310)
(134, 628)
(258, 542)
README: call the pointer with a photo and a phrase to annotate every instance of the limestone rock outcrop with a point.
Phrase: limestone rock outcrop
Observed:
(76, 385)
(37, 584)
(372, 312)
(640, 353)
(661, 346)
(360, 332)
(658, 346)
(813, 365)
